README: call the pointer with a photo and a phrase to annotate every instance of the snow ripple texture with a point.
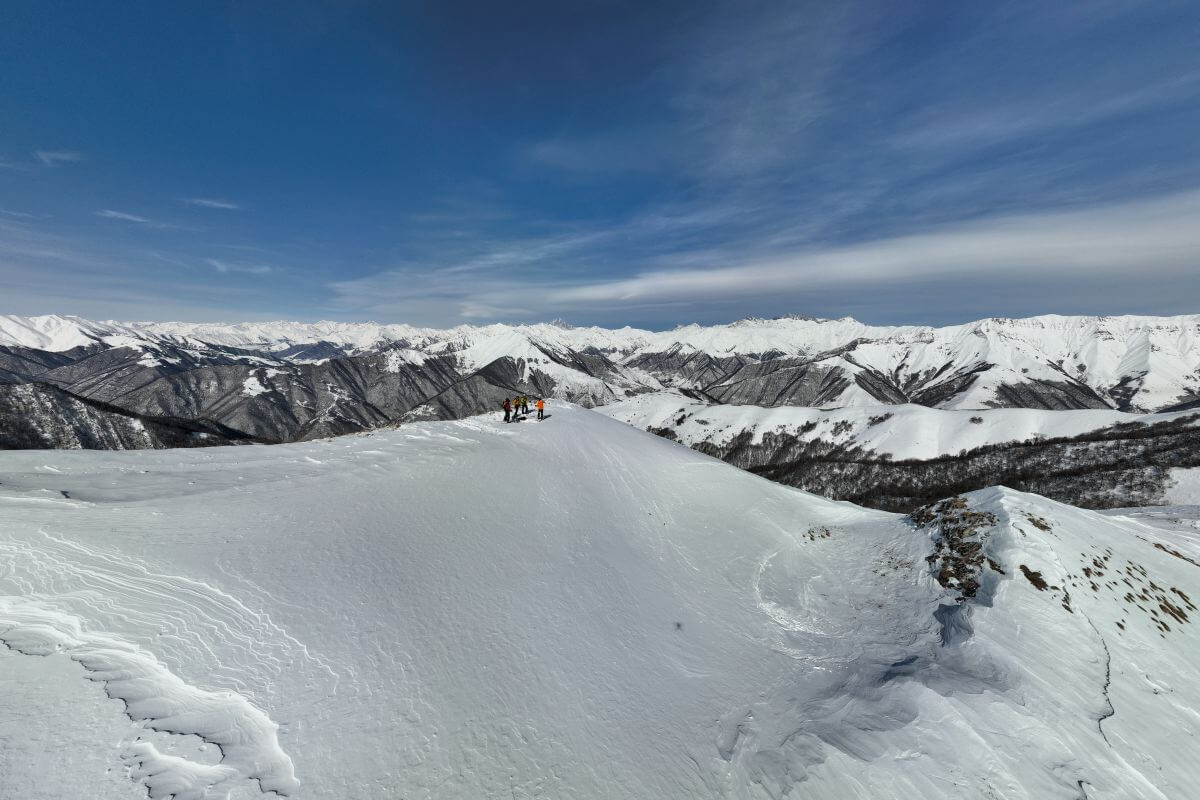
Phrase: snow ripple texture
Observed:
(65, 594)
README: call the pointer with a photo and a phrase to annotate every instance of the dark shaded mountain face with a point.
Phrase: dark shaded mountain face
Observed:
(274, 400)
(36, 416)
(278, 382)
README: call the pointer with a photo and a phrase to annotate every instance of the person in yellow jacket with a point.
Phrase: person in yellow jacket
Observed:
(541, 407)
(524, 404)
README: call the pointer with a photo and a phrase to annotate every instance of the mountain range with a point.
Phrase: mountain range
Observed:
(1097, 411)
(285, 381)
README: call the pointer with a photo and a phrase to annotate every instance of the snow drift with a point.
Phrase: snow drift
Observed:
(575, 609)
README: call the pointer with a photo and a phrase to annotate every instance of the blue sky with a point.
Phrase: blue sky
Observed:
(604, 162)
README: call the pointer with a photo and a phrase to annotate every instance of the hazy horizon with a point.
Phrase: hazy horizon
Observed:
(568, 323)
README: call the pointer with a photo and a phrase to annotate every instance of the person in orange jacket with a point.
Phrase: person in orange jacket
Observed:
(541, 407)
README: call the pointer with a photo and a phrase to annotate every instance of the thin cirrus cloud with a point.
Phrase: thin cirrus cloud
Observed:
(52, 158)
(209, 202)
(108, 213)
(137, 219)
(1155, 237)
(1130, 244)
(227, 267)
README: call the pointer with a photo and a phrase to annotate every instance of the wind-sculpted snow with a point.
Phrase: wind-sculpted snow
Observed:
(68, 598)
(574, 608)
(153, 695)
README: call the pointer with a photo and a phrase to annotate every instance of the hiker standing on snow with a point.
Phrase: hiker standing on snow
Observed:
(541, 407)
(524, 404)
(507, 410)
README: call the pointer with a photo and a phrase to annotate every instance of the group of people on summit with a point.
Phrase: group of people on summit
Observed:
(514, 408)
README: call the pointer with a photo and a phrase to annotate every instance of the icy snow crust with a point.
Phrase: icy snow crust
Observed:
(901, 431)
(576, 609)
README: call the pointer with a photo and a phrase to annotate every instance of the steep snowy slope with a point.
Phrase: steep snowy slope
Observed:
(572, 609)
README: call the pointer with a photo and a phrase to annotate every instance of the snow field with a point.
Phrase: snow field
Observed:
(578, 609)
(903, 431)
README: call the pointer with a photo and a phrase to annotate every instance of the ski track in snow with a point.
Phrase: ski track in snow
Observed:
(64, 587)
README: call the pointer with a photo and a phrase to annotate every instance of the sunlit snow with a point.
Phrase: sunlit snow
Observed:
(574, 609)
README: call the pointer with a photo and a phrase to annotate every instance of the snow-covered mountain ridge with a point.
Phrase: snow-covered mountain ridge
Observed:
(787, 335)
(902, 432)
(1125, 362)
(394, 614)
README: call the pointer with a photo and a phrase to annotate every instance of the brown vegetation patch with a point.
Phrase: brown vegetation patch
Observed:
(1035, 578)
(1038, 523)
(1174, 552)
(1160, 603)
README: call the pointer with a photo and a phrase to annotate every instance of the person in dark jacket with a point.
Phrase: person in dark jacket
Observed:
(507, 410)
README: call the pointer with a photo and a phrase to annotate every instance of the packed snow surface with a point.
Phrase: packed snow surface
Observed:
(571, 609)
(902, 431)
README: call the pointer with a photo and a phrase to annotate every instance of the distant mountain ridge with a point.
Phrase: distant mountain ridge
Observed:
(283, 381)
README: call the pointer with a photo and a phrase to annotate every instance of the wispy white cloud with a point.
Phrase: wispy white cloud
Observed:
(983, 122)
(474, 310)
(108, 213)
(52, 158)
(644, 149)
(44, 270)
(1148, 238)
(208, 202)
(1132, 244)
(124, 216)
(247, 269)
